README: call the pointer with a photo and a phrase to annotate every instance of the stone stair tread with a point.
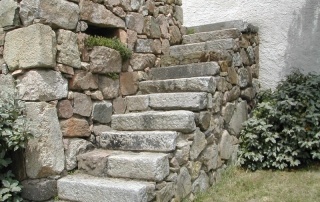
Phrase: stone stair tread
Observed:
(241, 25)
(168, 101)
(156, 141)
(180, 120)
(185, 71)
(194, 84)
(215, 46)
(87, 188)
(211, 36)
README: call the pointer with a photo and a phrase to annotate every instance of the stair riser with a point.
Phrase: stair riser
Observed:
(211, 36)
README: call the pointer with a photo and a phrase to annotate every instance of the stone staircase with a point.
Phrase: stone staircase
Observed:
(164, 148)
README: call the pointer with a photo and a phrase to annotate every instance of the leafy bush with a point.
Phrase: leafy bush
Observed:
(284, 130)
(14, 134)
(113, 43)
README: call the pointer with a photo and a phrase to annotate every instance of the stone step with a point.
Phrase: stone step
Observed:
(168, 101)
(213, 46)
(185, 71)
(181, 121)
(211, 36)
(86, 188)
(195, 84)
(156, 141)
(242, 26)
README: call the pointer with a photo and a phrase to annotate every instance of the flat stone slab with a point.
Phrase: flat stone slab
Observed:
(195, 84)
(215, 46)
(143, 166)
(238, 24)
(86, 188)
(211, 36)
(181, 121)
(160, 141)
(185, 71)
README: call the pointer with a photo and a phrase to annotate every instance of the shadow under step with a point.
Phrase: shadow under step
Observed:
(124, 164)
(180, 120)
(169, 101)
(86, 188)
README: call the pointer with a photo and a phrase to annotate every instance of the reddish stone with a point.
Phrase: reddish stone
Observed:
(75, 127)
(129, 83)
(64, 109)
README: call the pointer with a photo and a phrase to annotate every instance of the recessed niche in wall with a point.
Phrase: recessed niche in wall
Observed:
(102, 31)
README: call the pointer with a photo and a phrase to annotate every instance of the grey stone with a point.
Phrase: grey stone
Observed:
(172, 101)
(67, 46)
(226, 146)
(145, 166)
(227, 111)
(36, 47)
(248, 94)
(209, 157)
(217, 102)
(99, 129)
(82, 104)
(74, 147)
(39, 189)
(9, 14)
(217, 125)
(144, 46)
(184, 186)
(43, 85)
(83, 80)
(210, 36)
(82, 26)
(140, 61)
(161, 141)
(102, 112)
(233, 94)
(94, 162)
(240, 115)
(237, 60)
(151, 27)
(196, 84)
(119, 105)
(256, 85)
(201, 184)
(75, 127)
(137, 103)
(194, 168)
(245, 57)
(44, 152)
(85, 188)
(166, 193)
(233, 76)
(198, 144)
(136, 4)
(186, 71)
(242, 26)
(99, 15)
(182, 154)
(217, 45)
(135, 22)
(175, 35)
(178, 13)
(105, 60)
(251, 54)
(2, 37)
(204, 120)
(7, 84)
(56, 13)
(64, 109)
(182, 121)
(109, 87)
(245, 79)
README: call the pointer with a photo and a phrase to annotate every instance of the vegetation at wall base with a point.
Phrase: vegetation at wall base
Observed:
(113, 43)
(14, 134)
(284, 130)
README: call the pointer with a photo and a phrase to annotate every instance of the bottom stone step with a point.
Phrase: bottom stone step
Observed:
(86, 188)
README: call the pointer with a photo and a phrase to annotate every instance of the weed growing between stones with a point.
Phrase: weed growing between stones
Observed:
(190, 31)
(113, 43)
(113, 75)
(284, 131)
(14, 134)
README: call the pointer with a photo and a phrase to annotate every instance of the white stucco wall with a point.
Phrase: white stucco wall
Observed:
(289, 31)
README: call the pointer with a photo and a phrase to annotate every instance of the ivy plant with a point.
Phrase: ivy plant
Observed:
(284, 130)
(14, 134)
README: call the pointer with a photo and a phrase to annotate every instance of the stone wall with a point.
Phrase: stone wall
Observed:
(70, 90)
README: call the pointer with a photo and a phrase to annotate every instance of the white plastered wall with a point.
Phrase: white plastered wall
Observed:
(289, 31)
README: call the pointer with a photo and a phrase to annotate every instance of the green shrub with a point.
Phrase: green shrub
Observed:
(14, 134)
(190, 31)
(113, 43)
(284, 130)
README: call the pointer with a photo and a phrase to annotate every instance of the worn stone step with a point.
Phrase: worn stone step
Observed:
(157, 141)
(182, 121)
(144, 166)
(241, 25)
(168, 101)
(86, 188)
(185, 71)
(195, 84)
(211, 36)
(213, 46)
